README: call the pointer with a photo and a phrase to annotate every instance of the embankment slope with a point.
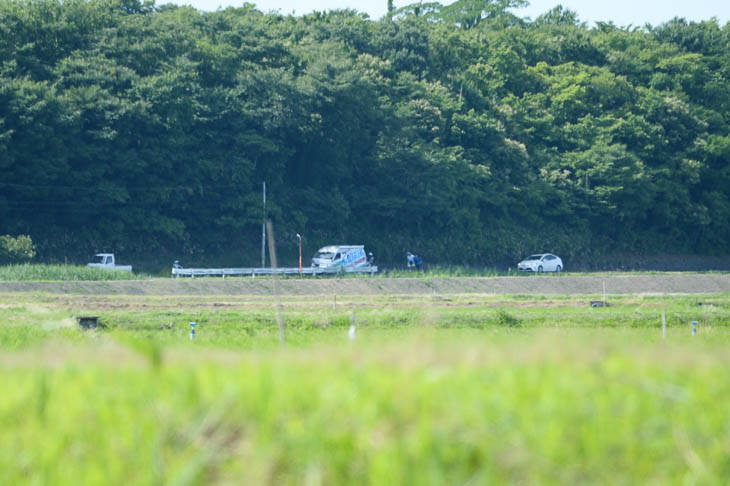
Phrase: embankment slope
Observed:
(543, 284)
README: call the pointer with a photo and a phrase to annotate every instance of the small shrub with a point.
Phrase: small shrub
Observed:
(504, 318)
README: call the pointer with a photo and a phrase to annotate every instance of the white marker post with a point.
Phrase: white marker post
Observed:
(351, 332)
(664, 321)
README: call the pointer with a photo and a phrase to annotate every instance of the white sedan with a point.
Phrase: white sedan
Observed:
(544, 262)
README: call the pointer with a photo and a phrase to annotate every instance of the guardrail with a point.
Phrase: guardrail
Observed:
(238, 272)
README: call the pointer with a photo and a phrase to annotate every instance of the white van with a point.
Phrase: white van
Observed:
(340, 256)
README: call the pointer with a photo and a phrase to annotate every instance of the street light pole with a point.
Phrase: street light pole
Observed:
(263, 232)
(300, 254)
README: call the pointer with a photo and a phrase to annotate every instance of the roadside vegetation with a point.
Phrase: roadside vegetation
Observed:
(30, 272)
(447, 271)
(42, 272)
(37, 272)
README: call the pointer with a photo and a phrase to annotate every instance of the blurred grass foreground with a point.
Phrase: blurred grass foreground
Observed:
(424, 407)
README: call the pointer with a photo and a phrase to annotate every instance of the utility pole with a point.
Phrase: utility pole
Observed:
(263, 233)
(300, 254)
(275, 279)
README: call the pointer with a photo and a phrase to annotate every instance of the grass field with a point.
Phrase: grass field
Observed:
(434, 389)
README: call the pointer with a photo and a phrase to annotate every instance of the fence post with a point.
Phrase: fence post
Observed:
(664, 321)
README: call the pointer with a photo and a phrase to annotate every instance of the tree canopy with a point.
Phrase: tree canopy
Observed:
(461, 132)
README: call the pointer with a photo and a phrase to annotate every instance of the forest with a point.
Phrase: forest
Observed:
(463, 132)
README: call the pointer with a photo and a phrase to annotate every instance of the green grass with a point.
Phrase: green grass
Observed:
(42, 272)
(446, 271)
(235, 322)
(454, 271)
(444, 389)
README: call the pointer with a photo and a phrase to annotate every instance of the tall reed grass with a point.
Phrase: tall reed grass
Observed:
(559, 408)
(41, 272)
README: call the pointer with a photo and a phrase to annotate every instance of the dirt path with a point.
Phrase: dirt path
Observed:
(545, 284)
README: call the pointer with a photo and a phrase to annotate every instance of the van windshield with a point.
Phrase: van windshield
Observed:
(324, 255)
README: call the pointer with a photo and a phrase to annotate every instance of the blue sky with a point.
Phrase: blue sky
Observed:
(621, 12)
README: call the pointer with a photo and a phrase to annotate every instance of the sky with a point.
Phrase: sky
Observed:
(621, 12)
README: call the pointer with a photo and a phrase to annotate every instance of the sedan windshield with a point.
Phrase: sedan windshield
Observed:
(324, 255)
(533, 257)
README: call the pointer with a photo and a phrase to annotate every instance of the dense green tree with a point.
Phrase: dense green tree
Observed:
(16, 249)
(461, 132)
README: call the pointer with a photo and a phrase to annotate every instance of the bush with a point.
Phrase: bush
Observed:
(16, 249)
(504, 318)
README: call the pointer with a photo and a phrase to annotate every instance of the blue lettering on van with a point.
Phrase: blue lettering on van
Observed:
(355, 256)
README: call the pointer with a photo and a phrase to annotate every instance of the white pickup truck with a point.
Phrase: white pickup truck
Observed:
(106, 260)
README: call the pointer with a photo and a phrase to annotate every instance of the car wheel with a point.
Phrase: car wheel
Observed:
(558, 269)
(539, 269)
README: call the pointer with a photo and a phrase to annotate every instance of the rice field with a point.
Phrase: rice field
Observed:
(425, 389)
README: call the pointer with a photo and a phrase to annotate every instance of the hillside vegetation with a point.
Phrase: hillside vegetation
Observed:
(463, 132)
